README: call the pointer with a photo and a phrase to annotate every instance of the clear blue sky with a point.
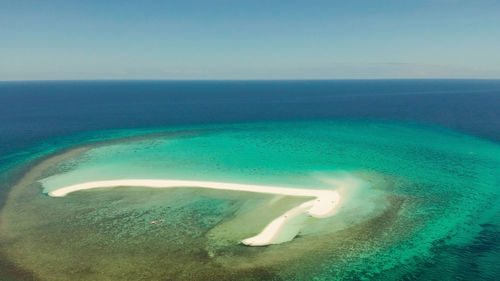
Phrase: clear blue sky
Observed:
(231, 39)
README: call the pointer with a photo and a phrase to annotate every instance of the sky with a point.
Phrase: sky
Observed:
(231, 39)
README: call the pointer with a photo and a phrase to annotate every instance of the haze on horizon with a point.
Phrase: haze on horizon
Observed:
(223, 39)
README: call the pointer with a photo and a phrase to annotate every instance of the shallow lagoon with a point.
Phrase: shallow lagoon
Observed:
(426, 190)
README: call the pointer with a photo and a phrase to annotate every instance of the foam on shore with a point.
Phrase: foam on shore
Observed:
(324, 204)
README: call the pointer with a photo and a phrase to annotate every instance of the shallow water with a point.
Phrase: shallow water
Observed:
(429, 203)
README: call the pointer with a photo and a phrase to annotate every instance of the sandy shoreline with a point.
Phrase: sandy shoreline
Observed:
(324, 204)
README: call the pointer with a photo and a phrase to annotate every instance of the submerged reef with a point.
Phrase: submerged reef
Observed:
(409, 197)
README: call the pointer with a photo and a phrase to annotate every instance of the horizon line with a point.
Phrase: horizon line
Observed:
(231, 80)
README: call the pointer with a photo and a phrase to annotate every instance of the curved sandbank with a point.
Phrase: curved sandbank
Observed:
(324, 204)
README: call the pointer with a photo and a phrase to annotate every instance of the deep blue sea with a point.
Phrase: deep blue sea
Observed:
(35, 116)
(34, 111)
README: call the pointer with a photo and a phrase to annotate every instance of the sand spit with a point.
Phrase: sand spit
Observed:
(324, 204)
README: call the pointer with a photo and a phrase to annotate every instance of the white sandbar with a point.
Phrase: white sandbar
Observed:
(324, 204)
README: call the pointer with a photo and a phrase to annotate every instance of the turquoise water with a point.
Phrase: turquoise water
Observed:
(428, 194)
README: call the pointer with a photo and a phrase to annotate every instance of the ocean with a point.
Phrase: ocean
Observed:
(429, 151)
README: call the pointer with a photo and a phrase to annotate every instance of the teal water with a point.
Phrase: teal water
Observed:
(430, 195)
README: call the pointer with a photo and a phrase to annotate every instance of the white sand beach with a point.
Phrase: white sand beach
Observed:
(324, 204)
